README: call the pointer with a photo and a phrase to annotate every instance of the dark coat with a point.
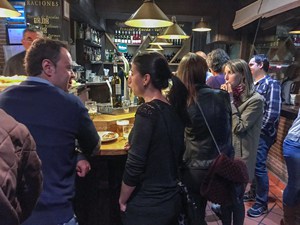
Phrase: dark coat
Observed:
(200, 148)
(20, 171)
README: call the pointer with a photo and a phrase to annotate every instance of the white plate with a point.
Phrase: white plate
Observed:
(111, 137)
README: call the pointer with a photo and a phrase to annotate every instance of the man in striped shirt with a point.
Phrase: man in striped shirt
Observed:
(271, 91)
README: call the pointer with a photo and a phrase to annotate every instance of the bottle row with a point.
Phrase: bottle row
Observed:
(91, 54)
(89, 34)
(128, 37)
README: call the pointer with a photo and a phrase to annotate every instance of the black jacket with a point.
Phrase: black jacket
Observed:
(200, 148)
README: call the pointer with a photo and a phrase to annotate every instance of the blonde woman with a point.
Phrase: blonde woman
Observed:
(247, 112)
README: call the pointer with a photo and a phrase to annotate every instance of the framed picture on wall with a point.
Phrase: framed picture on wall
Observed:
(66, 10)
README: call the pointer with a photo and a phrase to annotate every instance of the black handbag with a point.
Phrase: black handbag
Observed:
(224, 175)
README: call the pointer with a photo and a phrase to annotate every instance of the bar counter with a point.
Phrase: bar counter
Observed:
(275, 162)
(105, 122)
(97, 194)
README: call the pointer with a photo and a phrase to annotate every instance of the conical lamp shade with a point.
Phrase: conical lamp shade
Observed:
(149, 15)
(7, 10)
(295, 30)
(160, 41)
(174, 32)
(154, 48)
(202, 26)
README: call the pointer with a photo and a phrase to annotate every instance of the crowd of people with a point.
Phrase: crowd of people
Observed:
(170, 140)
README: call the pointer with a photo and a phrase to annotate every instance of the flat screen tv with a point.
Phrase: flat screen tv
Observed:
(14, 35)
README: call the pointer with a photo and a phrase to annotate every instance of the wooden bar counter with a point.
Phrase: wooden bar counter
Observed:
(105, 122)
(97, 194)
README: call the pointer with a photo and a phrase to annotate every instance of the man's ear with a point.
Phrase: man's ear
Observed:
(48, 67)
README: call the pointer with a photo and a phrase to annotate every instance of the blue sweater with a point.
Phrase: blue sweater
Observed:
(55, 119)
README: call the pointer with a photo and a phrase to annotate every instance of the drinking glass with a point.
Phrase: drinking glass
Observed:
(91, 107)
(126, 130)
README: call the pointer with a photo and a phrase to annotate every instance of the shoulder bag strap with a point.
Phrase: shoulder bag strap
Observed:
(208, 127)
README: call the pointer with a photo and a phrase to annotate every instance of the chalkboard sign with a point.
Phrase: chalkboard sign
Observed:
(46, 15)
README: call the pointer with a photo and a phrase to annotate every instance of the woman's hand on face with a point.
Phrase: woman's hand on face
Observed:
(227, 87)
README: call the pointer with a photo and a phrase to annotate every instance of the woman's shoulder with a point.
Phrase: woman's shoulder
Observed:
(148, 109)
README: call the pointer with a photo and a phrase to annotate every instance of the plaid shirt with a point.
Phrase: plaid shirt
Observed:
(271, 91)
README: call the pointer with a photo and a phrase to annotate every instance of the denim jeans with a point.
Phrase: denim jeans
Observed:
(261, 173)
(72, 221)
(291, 153)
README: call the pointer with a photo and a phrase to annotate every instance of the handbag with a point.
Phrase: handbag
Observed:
(225, 176)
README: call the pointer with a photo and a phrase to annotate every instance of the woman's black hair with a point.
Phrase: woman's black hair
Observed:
(156, 65)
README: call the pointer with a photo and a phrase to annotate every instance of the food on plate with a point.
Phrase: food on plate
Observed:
(108, 136)
(12, 80)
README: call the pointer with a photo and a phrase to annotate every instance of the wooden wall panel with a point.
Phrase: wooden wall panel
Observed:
(275, 161)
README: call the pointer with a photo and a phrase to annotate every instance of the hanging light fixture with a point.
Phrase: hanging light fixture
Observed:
(7, 10)
(296, 30)
(174, 31)
(149, 15)
(202, 26)
(154, 48)
(160, 41)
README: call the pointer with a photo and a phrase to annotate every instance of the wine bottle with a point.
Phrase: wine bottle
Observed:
(81, 32)
(116, 87)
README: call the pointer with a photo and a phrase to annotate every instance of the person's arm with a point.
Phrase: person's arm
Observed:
(137, 155)
(273, 105)
(83, 167)
(31, 183)
(88, 139)
(126, 192)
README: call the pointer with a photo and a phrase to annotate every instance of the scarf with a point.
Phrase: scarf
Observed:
(237, 92)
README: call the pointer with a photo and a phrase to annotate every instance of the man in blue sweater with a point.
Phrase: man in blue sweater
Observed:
(56, 119)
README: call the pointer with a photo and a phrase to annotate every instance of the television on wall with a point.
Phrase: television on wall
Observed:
(14, 35)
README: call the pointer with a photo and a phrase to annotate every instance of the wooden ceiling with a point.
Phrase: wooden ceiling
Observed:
(96, 12)
(184, 10)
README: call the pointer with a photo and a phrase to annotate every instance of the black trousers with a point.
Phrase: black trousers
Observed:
(164, 214)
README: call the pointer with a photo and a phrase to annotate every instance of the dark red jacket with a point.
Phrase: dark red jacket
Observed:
(20, 171)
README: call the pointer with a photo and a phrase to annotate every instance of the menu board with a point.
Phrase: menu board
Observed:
(46, 15)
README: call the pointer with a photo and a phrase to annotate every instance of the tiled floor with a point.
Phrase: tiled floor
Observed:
(274, 215)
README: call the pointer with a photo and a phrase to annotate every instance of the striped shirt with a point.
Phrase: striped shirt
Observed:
(271, 91)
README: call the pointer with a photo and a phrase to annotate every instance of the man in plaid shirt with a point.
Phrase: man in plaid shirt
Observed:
(270, 89)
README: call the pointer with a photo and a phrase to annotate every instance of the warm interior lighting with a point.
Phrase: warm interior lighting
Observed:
(202, 26)
(174, 31)
(149, 15)
(7, 10)
(296, 30)
(154, 48)
(160, 41)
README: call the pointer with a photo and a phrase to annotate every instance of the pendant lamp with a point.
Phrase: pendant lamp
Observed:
(7, 10)
(154, 48)
(174, 31)
(160, 41)
(149, 15)
(296, 30)
(202, 26)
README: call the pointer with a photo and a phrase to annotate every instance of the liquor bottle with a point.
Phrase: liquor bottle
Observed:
(88, 33)
(116, 87)
(116, 37)
(80, 32)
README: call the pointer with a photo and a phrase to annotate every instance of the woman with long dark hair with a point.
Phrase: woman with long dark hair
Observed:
(149, 193)
(200, 149)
